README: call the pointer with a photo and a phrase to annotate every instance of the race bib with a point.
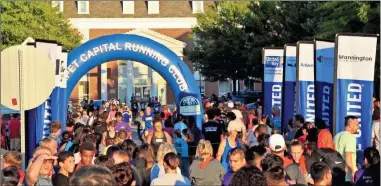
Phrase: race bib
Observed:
(148, 118)
(159, 140)
(146, 133)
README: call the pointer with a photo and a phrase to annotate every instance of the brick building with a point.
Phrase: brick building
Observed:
(167, 22)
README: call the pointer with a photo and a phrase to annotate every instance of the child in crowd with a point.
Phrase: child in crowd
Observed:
(66, 164)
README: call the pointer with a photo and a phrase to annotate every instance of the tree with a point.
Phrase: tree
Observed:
(352, 17)
(220, 51)
(39, 20)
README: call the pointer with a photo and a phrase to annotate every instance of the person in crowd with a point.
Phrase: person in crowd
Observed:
(345, 144)
(251, 118)
(141, 125)
(131, 148)
(104, 161)
(237, 161)
(370, 174)
(122, 136)
(87, 153)
(77, 117)
(55, 131)
(278, 147)
(110, 136)
(50, 143)
(302, 139)
(230, 142)
(100, 126)
(376, 132)
(123, 174)
(158, 168)
(85, 117)
(159, 136)
(111, 150)
(171, 163)
(249, 175)
(156, 106)
(212, 130)
(194, 136)
(321, 174)
(93, 116)
(181, 147)
(145, 162)
(167, 112)
(297, 154)
(275, 119)
(335, 162)
(12, 176)
(127, 115)
(205, 169)
(252, 139)
(255, 154)
(135, 107)
(179, 124)
(121, 156)
(263, 140)
(14, 133)
(272, 167)
(236, 125)
(147, 119)
(39, 171)
(66, 165)
(92, 176)
(113, 110)
(13, 159)
(121, 125)
(70, 126)
(325, 139)
(298, 122)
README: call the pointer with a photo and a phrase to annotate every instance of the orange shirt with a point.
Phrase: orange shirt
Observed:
(287, 161)
(325, 139)
(302, 164)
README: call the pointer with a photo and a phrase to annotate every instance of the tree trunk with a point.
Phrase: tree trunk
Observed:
(234, 87)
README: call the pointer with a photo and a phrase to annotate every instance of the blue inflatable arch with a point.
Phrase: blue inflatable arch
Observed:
(146, 51)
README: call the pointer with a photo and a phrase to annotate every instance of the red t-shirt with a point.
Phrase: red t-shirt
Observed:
(167, 114)
(3, 127)
(14, 129)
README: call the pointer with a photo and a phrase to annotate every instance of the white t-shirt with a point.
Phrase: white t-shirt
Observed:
(171, 179)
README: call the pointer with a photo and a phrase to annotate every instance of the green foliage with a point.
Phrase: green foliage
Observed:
(39, 20)
(230, 35)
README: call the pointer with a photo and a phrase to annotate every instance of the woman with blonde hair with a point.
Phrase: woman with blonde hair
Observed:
(158, 169)
(205, 170)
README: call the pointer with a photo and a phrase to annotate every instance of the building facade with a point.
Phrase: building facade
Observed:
(167, 22)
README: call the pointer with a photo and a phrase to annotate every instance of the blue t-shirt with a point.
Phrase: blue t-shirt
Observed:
(126, 117)
(156, 106)
(147, 120)
(182, 147)
(276, 121)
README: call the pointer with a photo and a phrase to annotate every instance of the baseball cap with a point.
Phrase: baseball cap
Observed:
(230, 104)
(277, 143)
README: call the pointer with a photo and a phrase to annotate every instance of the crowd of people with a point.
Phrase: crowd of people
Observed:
(234, 146)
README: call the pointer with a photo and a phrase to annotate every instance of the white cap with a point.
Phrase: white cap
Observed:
(277, 143)
(230, 104)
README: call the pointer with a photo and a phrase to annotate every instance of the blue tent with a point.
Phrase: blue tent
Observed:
(6, 110)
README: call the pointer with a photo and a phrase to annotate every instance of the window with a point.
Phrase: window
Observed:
(200, 81)
(153, 7)
(197, 7)
(83, 7)
(60, 5)
(128, 7)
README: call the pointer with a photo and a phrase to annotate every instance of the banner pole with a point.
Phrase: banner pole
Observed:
(22, 112)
